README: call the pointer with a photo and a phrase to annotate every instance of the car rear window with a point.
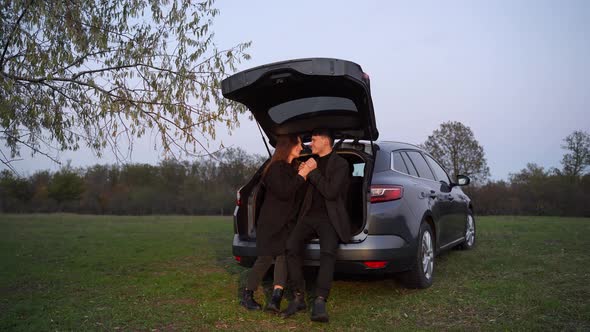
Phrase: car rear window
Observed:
(293, 108)
(421, 165)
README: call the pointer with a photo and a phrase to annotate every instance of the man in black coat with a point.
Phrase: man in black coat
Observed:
(323, 215)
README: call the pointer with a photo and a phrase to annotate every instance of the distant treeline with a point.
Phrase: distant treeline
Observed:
(208, 186)
(534, 191)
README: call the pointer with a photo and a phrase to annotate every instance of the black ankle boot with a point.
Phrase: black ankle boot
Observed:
(248, 301)
(275, 300)
(318, 312)
(295, 306)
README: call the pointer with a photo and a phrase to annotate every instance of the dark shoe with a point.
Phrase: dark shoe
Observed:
(275, 301)
(318, 312)
(248, 301)
(295, 306)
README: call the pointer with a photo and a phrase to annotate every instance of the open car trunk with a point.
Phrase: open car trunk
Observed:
(361, 166)
(296, 97)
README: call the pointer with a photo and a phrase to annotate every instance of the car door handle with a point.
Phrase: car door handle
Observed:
(431, 194)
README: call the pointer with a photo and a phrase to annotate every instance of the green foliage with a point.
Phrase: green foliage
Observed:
(208, 185)
(577, 159)
(104, 72)
(65, 185)
(455, 147)
(15, 192)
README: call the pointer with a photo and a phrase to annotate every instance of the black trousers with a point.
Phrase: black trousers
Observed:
(260, 268)
(307, 229)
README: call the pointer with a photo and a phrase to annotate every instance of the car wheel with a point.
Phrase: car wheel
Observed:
(469, 232)
(422, 274)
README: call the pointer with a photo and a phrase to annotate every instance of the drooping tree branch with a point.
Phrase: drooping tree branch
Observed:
(79, 70)
(14, 28)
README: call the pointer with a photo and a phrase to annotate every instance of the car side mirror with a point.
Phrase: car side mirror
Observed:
(462, 180)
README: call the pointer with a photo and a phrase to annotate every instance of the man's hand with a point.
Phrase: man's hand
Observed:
(307, 167)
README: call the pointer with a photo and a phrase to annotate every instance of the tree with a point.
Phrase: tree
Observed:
(15, 192)
(41, 202)
(102, 73)
(66, 185)
(95, 198)
(532, 173)
(575, 162)
(456, 148)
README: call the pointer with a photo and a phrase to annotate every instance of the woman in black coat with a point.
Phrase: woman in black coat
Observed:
(281, 180)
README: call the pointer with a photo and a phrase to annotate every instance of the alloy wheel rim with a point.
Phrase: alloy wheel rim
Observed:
(427, 255)
(470, 231)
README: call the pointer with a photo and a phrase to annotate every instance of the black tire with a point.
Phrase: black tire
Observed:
(470, 232)
(422, 274)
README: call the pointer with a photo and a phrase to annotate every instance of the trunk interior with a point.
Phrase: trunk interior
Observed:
(360, 165)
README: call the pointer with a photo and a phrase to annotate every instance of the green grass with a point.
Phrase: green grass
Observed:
(73, 272)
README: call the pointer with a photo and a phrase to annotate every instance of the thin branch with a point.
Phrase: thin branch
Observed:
(12, 33)
(139, 64)
(8, 162)
(163, 131)
(35, 150)
(82, 58)
(94, 71)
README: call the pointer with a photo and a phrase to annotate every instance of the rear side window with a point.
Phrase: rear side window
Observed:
(409, 164)
(440, 173)
(420, 163)
(399, 164)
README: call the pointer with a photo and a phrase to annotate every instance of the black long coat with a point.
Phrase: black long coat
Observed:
(281, 182)
(333, 186)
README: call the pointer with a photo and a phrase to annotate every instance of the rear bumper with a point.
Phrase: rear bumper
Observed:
(350, 257)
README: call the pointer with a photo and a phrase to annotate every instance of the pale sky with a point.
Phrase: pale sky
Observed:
(516, 72)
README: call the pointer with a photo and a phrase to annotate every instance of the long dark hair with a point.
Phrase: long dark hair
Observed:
(285, 144)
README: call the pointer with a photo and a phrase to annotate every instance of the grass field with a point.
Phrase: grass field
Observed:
(73, 272)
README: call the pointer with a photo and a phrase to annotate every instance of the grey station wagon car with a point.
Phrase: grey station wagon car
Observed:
(403, 206)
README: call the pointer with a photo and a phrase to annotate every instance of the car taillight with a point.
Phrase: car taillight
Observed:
(238, 259)
(385, 193)
(238, 200)
(375, 264)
